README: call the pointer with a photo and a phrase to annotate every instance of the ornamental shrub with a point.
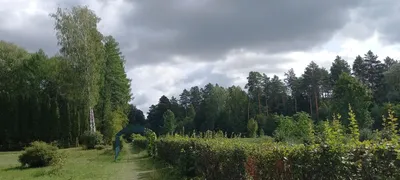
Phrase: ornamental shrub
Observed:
(91, 139)
(40, 154)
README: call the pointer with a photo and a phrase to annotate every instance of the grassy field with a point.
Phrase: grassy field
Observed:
(88, 164)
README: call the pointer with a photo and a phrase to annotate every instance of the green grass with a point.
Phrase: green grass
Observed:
(88, 164)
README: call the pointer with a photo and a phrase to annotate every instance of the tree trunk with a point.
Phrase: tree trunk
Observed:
(92, 121)
(266, 106)
(295, 104)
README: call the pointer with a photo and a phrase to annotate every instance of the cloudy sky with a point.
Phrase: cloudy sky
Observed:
(174, 44)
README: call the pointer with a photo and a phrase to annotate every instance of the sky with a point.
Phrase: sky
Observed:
(176, 44)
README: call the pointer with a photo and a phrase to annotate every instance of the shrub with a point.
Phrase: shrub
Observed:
(252, 128)
(100, 147)
(151, 145)
(296, 129)
(139, 141)
(40, 154)
(91, 139)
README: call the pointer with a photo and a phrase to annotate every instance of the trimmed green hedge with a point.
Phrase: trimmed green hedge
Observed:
(332, 154)
(223, 158)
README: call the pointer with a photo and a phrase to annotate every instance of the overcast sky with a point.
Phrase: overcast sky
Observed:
(170, 45)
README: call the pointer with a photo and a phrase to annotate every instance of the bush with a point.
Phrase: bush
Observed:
(151, 145)
(40, 154)
(139, 141)
(296, 129)
(252, 128)
(100, 147)
(91, 139)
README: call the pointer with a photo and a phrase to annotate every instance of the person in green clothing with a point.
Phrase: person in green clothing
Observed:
(138, 129)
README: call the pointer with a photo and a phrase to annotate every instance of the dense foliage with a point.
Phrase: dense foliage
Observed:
(329, 152)
(40, 154)
(368, 86)
(91, 139)
(49, 98)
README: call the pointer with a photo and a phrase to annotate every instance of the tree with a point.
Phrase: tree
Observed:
(254, 86)
(195, 97)
(389, 62)
(184, 98)
(169, 122)
(252, 128)
(236, 103)
(178, 110)
(136, 116)
(187, 124)
(277, 95)
(374, 74)
(215, 105)
(312, 79)
(349, 90)
(156, 113)
(294, 86)
(81, 45)
(392, 79)
(360, 69)
(338, 67)
(114, 90)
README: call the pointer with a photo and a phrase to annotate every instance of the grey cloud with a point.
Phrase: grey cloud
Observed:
(261, 62)
(208, 76)
(208, 29)
(140, 99)
(382, 16)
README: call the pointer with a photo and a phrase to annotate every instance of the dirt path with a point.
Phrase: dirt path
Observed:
(138, 166)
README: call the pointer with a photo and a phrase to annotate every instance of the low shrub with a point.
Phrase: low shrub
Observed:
(91, 139)
(151, 142)
(100, 147)
(40, 154)
(139, 141)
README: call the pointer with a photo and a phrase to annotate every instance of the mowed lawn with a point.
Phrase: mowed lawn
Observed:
(85, 164)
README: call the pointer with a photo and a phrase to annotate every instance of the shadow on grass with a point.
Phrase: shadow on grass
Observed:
(136, 150)
(16, 168)
(48, 172)
(41, 171)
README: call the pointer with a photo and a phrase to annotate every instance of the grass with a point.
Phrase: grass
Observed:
(89, 164)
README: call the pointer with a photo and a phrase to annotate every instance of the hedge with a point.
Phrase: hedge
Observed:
(223, 158)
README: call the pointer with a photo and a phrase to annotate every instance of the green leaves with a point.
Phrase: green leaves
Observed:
(252, 127)
(81, 45)
(349, 90)
(169, 122)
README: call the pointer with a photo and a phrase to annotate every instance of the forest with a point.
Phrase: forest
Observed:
(49, 98)
(370, 85)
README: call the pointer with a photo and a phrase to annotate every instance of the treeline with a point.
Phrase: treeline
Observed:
(369, 85)
(49, 98)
